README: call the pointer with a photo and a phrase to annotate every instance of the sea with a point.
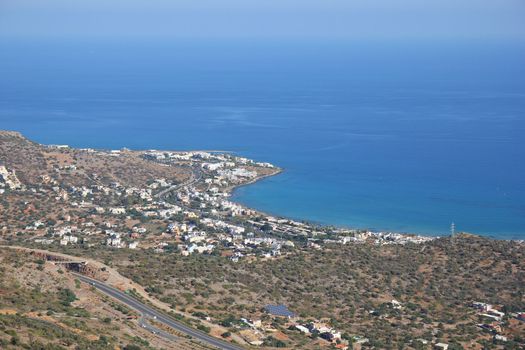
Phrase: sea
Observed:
(403, 136)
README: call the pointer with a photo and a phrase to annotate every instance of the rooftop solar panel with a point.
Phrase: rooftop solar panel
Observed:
(279, 310)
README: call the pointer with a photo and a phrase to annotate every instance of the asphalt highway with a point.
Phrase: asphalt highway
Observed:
(151, 313)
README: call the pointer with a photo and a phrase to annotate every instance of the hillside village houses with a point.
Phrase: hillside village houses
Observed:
(488, 311)
(115, 241)
(229, 226)
(68, 239)
(117, 211)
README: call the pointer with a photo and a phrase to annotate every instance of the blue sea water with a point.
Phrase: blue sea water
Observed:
(406, 136)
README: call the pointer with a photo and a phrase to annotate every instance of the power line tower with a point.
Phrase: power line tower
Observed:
(452, 230)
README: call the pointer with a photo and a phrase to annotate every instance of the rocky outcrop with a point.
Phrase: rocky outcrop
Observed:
(10, 134)
(8, 179)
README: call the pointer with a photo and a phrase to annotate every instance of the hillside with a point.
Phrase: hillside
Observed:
(351, 288)
(164, 220)
(42, 306)
(36, 164)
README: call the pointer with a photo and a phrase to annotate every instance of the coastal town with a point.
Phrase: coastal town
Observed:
(262, 175)
(69, 207)
(195, 216)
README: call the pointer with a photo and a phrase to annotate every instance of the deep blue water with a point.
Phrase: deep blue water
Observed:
(398, 136)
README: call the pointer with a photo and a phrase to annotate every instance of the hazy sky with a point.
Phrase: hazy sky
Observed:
(440, 19)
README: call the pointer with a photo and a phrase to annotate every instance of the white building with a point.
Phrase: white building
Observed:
(117, 211)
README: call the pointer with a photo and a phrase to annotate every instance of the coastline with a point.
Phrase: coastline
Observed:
(232, 189)
(275, 170)
(254, 181)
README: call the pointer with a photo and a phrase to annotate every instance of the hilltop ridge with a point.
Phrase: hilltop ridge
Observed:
(10, 133)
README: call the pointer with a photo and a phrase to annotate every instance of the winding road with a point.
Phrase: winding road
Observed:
(151, 313)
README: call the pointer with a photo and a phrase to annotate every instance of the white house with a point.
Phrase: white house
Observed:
(117, 211)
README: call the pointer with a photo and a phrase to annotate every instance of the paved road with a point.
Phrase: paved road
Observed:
(144, 324)
(194, 178)
(160, 317)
